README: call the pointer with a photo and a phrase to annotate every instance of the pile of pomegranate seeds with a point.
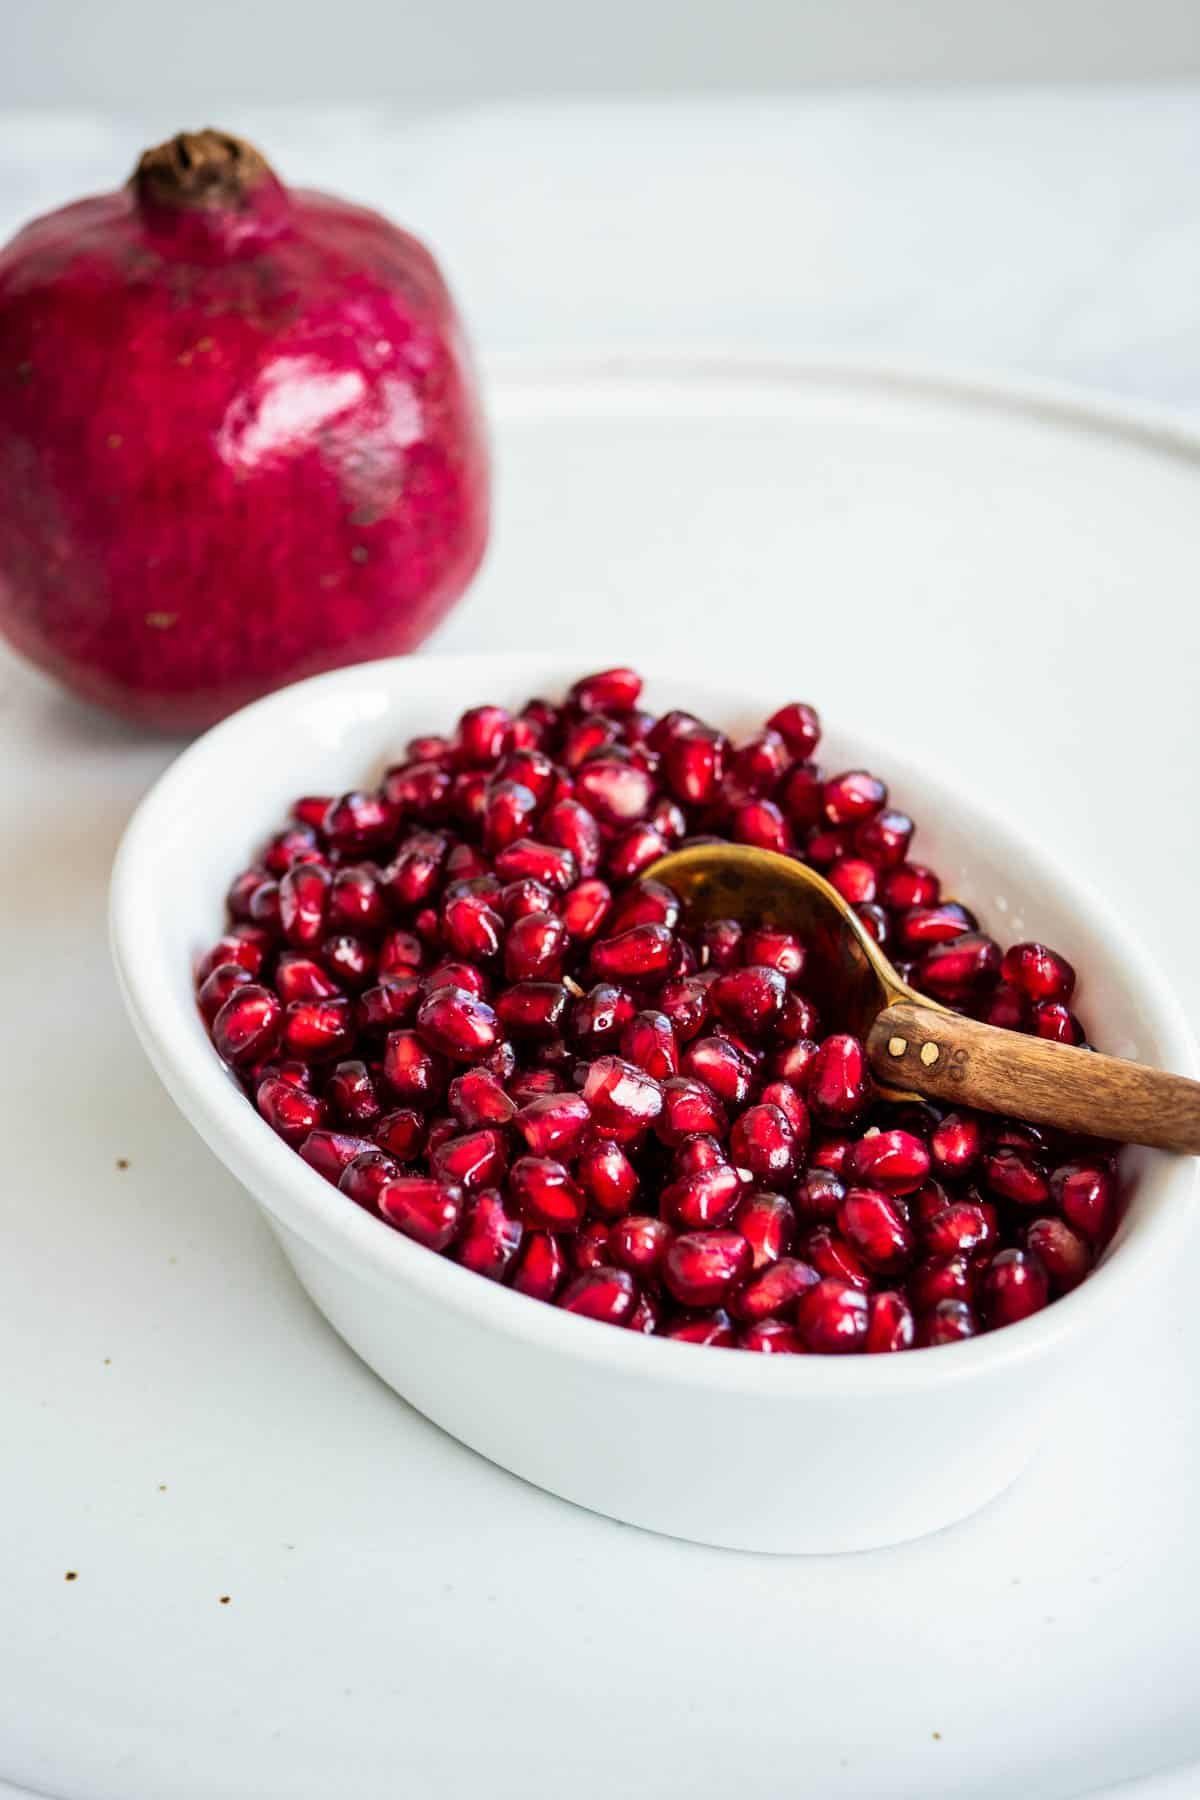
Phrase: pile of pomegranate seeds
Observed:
(459, 998)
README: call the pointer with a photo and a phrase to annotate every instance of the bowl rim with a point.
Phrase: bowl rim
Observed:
(301, 1201)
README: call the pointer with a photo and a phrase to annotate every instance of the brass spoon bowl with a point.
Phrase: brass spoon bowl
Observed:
(916, 1047)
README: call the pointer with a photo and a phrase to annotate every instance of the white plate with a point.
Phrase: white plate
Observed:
(403, 1617)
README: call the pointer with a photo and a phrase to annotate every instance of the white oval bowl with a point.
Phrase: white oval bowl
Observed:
(723, 1447)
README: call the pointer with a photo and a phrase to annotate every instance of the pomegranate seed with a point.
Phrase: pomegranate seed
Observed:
(247, 946)
(304, 904)
(608, 1178)
(216, 988)
(481, 736)
(847, 799)
(356, 902)
(247, 1027)
(545, 1194)
(541, 1266)
(458, 1024)
(416, 873)
(831, 1256)
(1012, 1174)
(669, 820)
(908, 886)
(520, 898)
(832, 1318)
(451, 973)
(240, 898)
(329, 1152)
(762, 823)
(706, 1198)
(1062, 1252)
(401, 953)
(749, 999)
(476, 1160)
(411, 1069)
(638, 954)
(702, 1268)
(889, 1323)
(555, 1124)
(1007, 1008)
(962, 965)
(696, 1153)
(441, 1130)
(959, 1228)
(509, 810)
(772, 1337)
(645, 902)
(392, 1004)
(611, 690)
(711, 1328)
(598, 1020)
(947, 1323)
(477, 1098)
(955, 1144)
(623, 1098)
(940, 1278)
(758, 765)
(586, 909)
(649, 1041)
(288, 1110)
(768, 1224)
(1014, 1285)
(1085, 1196)
(423, 1208)
(884, 839)
(855, 879)
(693, 761)
(773, 1290)
(1039, 973)
(638, 1243)
(1052, 1020)
(533, 1008)
(922, 926)
(689, 1106)
(526, 859)
(349, 960)
(685, 1003)
(763, 1142)
(794, 1062)
(490, 1238)
(358, 821)
(777, 950)
(895, 1161)
(800, 796)
(799, 726)
(362, 1179)
(351, 1093)
(872, 1226)
(418, 789)
(316, 1030)
(471, 928)
(401, 1133)
(722, 1068)
(614, 788)
(607, 1295)
(818, 1195)
(589, 737)
(838, 1080)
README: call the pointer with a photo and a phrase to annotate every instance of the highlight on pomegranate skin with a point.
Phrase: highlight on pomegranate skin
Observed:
(239, 438)
(462, 1002)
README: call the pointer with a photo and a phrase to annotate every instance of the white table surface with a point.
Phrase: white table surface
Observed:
(958, 248)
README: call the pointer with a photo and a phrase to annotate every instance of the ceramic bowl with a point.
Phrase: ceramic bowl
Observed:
(723, 1447)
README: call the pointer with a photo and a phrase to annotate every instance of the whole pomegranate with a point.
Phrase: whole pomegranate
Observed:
(239, 440)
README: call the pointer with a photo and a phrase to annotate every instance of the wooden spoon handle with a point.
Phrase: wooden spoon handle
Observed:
(946, 1057)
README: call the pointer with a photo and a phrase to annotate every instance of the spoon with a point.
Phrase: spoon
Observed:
(916, 1047)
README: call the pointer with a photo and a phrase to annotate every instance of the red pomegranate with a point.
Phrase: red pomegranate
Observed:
(239, 440)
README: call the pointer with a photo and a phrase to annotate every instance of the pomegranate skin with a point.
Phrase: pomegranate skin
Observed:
(239, 438)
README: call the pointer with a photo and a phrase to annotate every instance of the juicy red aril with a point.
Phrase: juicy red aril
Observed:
(947, 1323)
(1012, 1174)
(509, 810)
(622, 1096)
(1084, 1193)
(572, 827)
(724, 1069)
(526, 859)
(458, 1024)
(712, 1328)
(1007, 1008)
(362, 1179)
(586, 909)
(838, 1079)
(768, 1224)
(401, 1133)
(349, 959)
(418, 789)
(632, 852)
(961, 965)
(544, 1193)
(762, 824)
(772, 1337)
(749, 999)
(588, 737)
(773, 1290)
(832, 1317)
(314, 1030)
(453, 973)
(638, 1243)
(481, 736)
(959, 1228)
(329, 1152)
(416, 873)
(351, 1093)
(940, 1278)
(760, 763)
(645, 902)
(477, 1098)
(1041, 974)
(599, 1018)
(649, 1041)
(1052, 1020)
(533, 1008)
(1014, 1285)
(471, 928)
(357, 821)
(476, 1160)
(490, 1238)
(955, 1144)
(922, 926)
(304, 904)
(793, 1063)
(778, 950)
(555, 1124)
(851, 797)
(246, 945)
(1062, 1251)
(800, 796)
(896, 1161)
(411, 1069)
(614, 788)
(356, 902)
(889, 1323)
(541, 1266)
(871, 1225)
(707, 1197)
(831, 1255)
(401, 953)
(763, 1142)
(535, 947)
(702, 1268)
(638, 954)
(817, 1195)
(693, 762)
(216, 988)
(608, 1178)
(608, 1295)
(689, 1106)
(386, 1007)
(909, 885)
(300, 978)
(884, 839)
(423, 1208)
(799, 726)
(855, 879)
(288, 1110)
(609, 691)
(247, 1027)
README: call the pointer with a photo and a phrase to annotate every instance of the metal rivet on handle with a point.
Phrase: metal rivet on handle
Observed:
(930, 1054)
(897, 1046)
